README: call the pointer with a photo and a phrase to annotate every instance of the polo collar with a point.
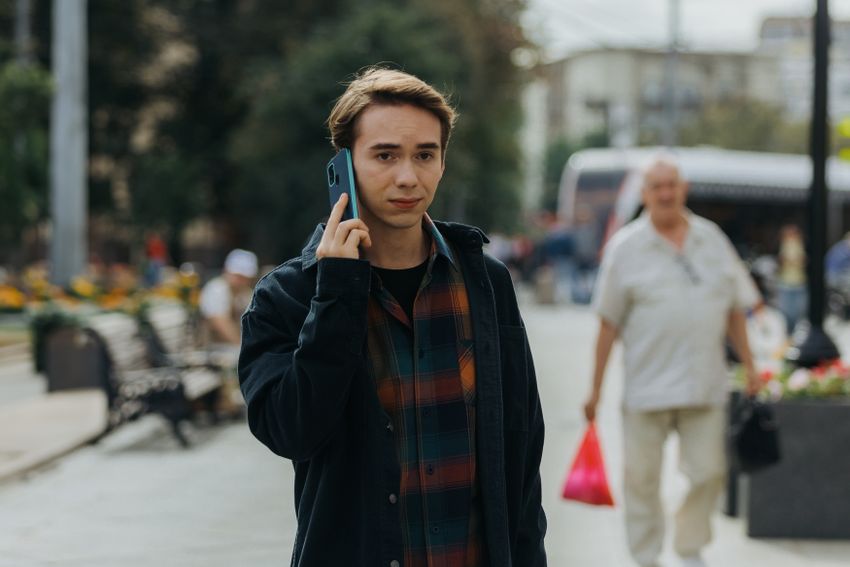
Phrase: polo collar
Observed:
(694, 235)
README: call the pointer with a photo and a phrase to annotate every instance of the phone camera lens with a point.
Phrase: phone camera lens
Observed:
(332, 175)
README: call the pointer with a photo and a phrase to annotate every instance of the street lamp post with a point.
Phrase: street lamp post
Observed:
(816, 346)
(68, 142)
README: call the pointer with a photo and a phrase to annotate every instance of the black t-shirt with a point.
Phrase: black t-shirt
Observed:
(403, 284)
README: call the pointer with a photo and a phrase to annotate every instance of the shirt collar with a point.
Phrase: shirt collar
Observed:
(439, 247)
(694, 234)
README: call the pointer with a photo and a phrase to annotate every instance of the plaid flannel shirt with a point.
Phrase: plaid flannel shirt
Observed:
(424, 372)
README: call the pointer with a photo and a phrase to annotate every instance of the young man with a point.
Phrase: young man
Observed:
(390, 364)
(672, 288)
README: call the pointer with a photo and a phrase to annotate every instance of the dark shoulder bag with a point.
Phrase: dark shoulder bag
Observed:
(754, 436)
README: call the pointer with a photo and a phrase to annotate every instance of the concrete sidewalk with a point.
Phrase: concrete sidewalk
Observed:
(37, 427)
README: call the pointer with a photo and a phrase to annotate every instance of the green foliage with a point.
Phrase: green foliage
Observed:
(235, 128)
(44, 322)
(24, 114)
(557, 154)
(167, 192)
(744, 124)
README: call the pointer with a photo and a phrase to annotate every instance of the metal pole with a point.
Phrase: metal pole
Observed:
(819, 148)
(68, 142)
(671, 100)
(817, 346)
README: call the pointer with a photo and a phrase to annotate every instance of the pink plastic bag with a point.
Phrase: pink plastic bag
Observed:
(586, 481)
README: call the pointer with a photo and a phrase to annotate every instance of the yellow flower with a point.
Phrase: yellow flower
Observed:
(83, 287)
(11, 298)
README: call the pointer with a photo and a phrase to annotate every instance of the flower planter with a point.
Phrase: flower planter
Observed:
(807, 495)
(73, 361)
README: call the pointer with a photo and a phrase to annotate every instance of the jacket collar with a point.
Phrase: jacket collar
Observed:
(440, 232)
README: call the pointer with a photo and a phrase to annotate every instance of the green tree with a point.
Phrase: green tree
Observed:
(24, 112)
(556, 157)
(745, 124)
(215, 107)
(166, 194)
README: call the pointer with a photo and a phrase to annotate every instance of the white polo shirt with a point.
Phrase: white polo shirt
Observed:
(671, 309)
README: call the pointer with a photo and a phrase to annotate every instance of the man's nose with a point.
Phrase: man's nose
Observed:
(406, 174)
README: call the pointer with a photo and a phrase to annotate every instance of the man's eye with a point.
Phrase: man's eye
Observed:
(384, 156)
(425, 156)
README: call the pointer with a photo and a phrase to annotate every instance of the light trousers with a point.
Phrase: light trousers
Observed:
(701, 459)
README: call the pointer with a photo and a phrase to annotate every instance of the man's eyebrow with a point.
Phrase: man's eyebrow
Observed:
(388, 146)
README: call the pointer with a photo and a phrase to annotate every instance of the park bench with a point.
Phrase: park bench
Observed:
(139, 380)
(171, 332)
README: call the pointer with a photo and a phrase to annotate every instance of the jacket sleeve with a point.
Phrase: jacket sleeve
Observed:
(299, 355)
(529, 550)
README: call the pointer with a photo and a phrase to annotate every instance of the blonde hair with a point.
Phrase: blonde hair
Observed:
(377, 85)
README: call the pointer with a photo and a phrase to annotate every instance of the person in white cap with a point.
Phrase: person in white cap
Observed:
(220, 305)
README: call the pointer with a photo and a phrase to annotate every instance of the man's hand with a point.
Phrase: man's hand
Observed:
(753, 382)
(590, 406)
(343, 239)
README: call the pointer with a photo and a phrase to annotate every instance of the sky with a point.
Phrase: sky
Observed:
(562, 26)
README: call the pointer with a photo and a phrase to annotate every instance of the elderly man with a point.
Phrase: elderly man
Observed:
(671, 287)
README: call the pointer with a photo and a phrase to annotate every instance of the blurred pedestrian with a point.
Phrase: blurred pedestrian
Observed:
(223, 300)
(671, 287)
(766, 330)
(585, 234)
(370, 361)
(838, 262)
(156, 256)
(791, 294)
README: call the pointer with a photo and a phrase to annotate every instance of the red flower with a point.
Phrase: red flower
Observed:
(819, 372)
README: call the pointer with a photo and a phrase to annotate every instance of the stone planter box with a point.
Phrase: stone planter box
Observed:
(807, 495)
(73, 361)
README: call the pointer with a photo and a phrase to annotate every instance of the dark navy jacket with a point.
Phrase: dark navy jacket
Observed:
(310, 399)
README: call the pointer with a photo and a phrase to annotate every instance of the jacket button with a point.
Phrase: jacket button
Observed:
(393, 498)
(395, 563)
(390, 426)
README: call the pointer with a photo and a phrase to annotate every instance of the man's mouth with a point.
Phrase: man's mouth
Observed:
(405, 203)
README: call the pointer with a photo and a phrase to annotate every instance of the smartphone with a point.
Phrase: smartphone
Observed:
(341, 180)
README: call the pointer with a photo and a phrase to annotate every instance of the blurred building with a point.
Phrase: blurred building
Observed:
(789, 42)
(620, 91)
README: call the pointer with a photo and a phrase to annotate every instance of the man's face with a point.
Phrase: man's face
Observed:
(398, 163)
(664, 193)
